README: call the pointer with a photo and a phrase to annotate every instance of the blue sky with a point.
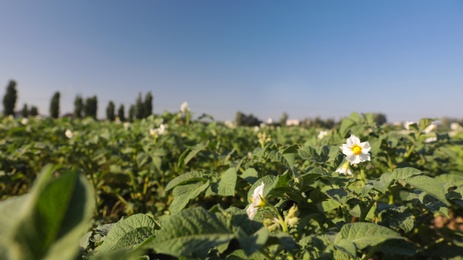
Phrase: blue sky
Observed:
(305, 58)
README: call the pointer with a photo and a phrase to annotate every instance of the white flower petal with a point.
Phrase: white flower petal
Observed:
(365, 147)
(251, 211)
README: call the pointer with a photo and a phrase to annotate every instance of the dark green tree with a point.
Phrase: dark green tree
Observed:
(54, 105)
(379, 118)
(139, 108)
(91, 107)
(148, 105)
(121, 113)
(34, 111)
(246, 120)
(78, 107)
(25, 111)
(110, 111)
(132, 113)
(9, 100)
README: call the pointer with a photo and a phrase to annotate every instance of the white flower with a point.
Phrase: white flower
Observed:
(322, 134)
(69, 133)
(184, 107)
(430, 128)
(257, 201)
(356, 151)
(430, 139)
(407, 124)
(158, 131)
(455, 126)
(126, 125)
(24, 121)
(344, 169)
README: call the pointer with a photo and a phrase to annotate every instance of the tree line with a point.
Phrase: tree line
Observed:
(87, 107)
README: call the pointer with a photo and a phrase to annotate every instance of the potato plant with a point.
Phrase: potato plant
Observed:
(168, 188)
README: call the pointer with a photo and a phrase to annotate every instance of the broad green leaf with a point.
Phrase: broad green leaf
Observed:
(405, 173)
(190, 153)
(425, 122)
(365, 234)
(128, 234)
(398, 247)
(184, 193)
(253, 243)
(250, 175)
(227, 183)
(347, 247)
(55, 215)
(430, 186)
(193, 176)
(189, 231)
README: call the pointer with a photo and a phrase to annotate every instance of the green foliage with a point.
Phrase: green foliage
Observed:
(148, 105)
(185, 192)
(121, 113)
(25, 111)
(34, 111)
(54, 105)
(78, 107)
(9, 100)
(91, 107)
(110, 111)
(246, 120)
(47, 222)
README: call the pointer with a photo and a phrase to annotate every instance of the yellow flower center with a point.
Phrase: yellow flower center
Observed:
(357, 149)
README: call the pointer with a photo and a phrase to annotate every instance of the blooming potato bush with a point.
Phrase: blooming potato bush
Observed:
(208, 191)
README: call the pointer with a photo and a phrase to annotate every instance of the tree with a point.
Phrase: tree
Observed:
(148, 105)
(9, 100)
(54, 105)
(121, 113)
(34, 111)
(246, 120)
(239, 118)
(139, 107)
(78, 107)
(283, 119)
(110, 111)
(132, 113)
(379, 118)
(25, 111)
(91, 107)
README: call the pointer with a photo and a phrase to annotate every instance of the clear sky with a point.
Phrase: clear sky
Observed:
(306, 58)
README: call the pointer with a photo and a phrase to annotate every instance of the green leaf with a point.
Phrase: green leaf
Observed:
(365, 234)
(128, 234)
(190, 153)
(425, 122)
(250, 175)
(430, 186)
(251, 244)
(52, 218)
(185, 178)
(405, 173)
(227, 183)
(184, 193)
(189, 231)
(347, 247)
(397, 247)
